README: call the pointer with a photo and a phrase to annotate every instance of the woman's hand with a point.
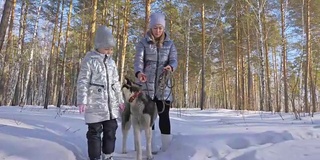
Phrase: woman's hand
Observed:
(168, 68)
(142, 77)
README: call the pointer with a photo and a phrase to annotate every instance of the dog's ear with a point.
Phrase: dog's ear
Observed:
(127, 81)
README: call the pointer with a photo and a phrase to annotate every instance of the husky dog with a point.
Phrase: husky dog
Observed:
(141, 112)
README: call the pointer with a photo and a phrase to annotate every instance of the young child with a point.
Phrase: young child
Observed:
(99, 95)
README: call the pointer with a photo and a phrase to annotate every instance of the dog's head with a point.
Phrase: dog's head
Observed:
(130, 89)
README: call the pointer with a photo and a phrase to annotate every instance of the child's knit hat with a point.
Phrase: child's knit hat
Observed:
(103, 38)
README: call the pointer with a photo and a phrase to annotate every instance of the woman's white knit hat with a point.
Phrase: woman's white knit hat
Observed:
(157, 18)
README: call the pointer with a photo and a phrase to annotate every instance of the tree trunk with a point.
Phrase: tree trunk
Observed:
(14, 75)
(56, 77)
(284, 55)
(42, 75)
(62, 88)
(4, 70)
(147, 18)
(265, 35)
(124, 38)
(24, 63)
(114, 7)
(92, 25)
(30, 60)
(10, 37)
(118, 38)
(208, 97)
(250, 81)
(186, 75)
(50, 76)
(17, 91)
(302, 64)
(32, 86)
(5, 21)
(170, 21)
(224, 81)
(276, 80)
(309, 58)
(261, 51)
(241, 73)
(313, 92)
(300, 87)
(236, 94)
(72, 71)
(293, 97)
(308, 55)
(105, 16)
(196, 103)
(81, 52)
(280, 85)
(203, 58)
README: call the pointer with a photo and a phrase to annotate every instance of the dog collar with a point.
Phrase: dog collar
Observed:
(134, 96)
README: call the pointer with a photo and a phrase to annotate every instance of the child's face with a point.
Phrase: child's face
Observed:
(106, 51)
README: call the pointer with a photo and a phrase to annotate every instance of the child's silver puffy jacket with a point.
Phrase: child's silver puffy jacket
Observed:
(98, 87)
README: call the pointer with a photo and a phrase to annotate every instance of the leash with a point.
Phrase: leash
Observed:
(164, 81)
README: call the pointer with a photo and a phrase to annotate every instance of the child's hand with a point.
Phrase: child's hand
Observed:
(121, 107)
(82, 108)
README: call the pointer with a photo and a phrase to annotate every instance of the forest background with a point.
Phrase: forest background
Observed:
(233, 54)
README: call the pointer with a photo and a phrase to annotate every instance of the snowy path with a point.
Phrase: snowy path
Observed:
(37, 134)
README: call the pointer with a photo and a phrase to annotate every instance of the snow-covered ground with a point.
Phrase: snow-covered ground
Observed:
(32, 133)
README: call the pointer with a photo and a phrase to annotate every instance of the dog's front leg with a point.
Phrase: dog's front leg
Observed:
(125, 132)
(137, 141)
(148, 140)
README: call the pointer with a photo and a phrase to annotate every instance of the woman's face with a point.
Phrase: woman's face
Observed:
(157, 30)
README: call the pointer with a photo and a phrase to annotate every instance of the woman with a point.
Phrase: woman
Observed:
(156, 54)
